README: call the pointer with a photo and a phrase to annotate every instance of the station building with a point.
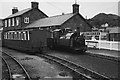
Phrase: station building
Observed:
(18, 25)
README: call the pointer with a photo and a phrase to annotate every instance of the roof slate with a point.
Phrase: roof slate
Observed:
(51, 21)
(19, 13)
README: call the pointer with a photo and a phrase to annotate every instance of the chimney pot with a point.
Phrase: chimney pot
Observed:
(34, 5)
(63, 13)
(14, 10)
(75, 8)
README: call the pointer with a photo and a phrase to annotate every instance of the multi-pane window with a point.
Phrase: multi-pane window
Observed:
(13, 22)
(17, 35)
(6, 23)
(17, 21)
(26, 20)
(9, 22)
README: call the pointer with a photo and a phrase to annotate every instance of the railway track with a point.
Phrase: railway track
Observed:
(15, 69)
(81, 72)
(6, 74)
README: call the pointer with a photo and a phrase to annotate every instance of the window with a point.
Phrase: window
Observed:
(17, 21)
(11, 35)
(13, 22)
(24, 35)
(9, 23)
(28, 35)
(5, 23)
(19, 37)
(8, 35)
(26, 20)
(15, 35)
(5, 36)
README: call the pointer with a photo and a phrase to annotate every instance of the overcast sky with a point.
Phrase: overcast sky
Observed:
(87, 8)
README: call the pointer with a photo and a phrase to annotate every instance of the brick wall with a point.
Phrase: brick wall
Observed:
(76, 21)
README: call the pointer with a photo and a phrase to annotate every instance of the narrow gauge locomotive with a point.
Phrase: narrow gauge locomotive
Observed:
(72, 41)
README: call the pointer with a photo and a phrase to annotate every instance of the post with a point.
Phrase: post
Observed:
(110, 45)
(99, 40)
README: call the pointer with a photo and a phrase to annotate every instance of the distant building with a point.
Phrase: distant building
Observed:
(113, 33)
(109, 34)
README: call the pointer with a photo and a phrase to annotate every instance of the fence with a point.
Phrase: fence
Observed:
(111, 45)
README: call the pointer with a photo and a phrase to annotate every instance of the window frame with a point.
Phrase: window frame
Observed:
(13, 22)
(9, 22)
(17, 21)
(6, 23)
(26, 20)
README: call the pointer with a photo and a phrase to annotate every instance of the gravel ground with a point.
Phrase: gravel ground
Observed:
(102, 66)
(39, 68)
(43, 69)
(105, 52)
(0, 65)
(0, 68)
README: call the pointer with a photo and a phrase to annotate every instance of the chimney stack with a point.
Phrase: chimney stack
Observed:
(34, 5)
(14, 10)
(75, 8)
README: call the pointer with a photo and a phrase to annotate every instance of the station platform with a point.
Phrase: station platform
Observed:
(110, 54)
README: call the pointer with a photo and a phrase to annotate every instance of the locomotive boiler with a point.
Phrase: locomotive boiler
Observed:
(69, 40)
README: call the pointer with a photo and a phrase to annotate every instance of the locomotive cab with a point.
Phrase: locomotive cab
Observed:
(67, 40)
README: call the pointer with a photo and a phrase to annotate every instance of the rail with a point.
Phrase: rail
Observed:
(28, 77)
(8, 67)
(82, 71)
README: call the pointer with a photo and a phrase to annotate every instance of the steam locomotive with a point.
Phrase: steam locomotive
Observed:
(70, 40)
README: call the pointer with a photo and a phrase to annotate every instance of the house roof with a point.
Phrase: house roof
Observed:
(51, 21)
(19, 13)
(115, 30)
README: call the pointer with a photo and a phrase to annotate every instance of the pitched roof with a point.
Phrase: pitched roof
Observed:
(115, 30)
(19, 13)
(51, 21)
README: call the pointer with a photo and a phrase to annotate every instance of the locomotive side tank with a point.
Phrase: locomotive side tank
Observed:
(70, 40)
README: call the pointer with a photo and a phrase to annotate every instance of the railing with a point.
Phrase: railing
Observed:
(102, 44)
